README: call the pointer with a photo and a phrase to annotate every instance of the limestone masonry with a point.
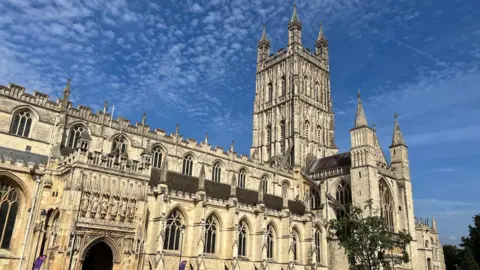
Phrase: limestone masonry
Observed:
(92, 192)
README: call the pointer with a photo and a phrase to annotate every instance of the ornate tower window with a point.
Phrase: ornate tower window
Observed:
(270, 241)
(269, 141)
(21, 124)
(318, 244)
(270, 92)
(74, 135)
(265, 184)
(187, 168)
(9, 200)
(242, 175)
(314, 199)
(282, 137)
(307, 129)
(344, 197)
(319, 134)
(242, 238)
(386, 204)
(173, 231)
(216, 172)
(295, 245)
(284, 85)
(119, 146)
(210, 235)
(157, 157)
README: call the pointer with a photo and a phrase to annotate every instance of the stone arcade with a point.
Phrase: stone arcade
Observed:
(91, 192)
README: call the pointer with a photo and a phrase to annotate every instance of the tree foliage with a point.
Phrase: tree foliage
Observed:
(367, 241)
(451, 255)
(468, 261)
(473, 239)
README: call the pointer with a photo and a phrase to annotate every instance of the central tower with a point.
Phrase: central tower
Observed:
(293, 119)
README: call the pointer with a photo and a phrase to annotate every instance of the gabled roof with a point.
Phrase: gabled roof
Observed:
(338, 160)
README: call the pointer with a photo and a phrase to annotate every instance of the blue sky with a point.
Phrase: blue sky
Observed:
(193, 63)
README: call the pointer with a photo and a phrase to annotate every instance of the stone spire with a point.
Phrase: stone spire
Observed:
(264, 34)
(66, 94)
(321, 35)
(294, 15)
(434, 224)
(144, 118)
(397, 138)
(361, 119)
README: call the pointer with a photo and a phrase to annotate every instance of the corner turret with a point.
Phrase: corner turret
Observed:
(294, 31)
(321, 46)
(399, 153)
(263, 48)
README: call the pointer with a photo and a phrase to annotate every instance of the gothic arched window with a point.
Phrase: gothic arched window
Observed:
(54, 230)
(187, 165)
(284, 85)
(307, 129)
(269, 141)
(119, 146)
(173, 231)
(318, 244)
(264, 184)
(216, 172)
(21, 124)
(9, 203)
(210, 235)
(314, 199)
(270, 92)
(282, 137)
(386, 204)
(344, 197)
(157, 157)
(74, 135)
(319, 134)
(270, 241)
(429, 264)
(242, 176)
(242, 238)
(295, 240)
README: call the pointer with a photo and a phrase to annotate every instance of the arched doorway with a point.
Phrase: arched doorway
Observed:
(98, 257)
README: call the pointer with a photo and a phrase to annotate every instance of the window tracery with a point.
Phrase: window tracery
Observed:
(173, 231)
(242, 175)
(187, 165)
(270, 92)
(386, 204)
(210, 235)
(265, 184)
(216, 172)
(318, 244)
(344, 197)
(284, 86)
(270, 241)
(242, 238)
(21, 123)
(9, 204)
(74, 135)
(314, 199)
(157, 157)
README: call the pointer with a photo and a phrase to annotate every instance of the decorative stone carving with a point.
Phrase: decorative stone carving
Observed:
(104, 207)
(113, 208)
(94, 208)
(84, 204)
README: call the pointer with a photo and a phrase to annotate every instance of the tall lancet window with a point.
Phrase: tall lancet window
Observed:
(317, 92)
(157, 157)
(210, 235)
(242, 238)
(216, 172)
(319, 134)
(284, 85)
(282, 137)
(314, 199)
(187, 168)
(265, 184)
(269, 141)
(242, 176)
(307, 129)
(386, 204)
(74, 135)
(9, 200)
(21, 124)
(318, 244)
(295, 240)
(173, 231)
(270, 92)
(344, 197)
(270, 241)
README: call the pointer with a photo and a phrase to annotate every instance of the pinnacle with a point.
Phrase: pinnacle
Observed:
(397, 133)
(361, 119)
(321, 35)
(67, 87)
(294, 15)
(264, 34)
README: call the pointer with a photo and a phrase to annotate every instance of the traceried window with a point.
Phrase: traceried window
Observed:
(270, 92)
(242, 238)
(187, 165)
(314, 199)
(242, 176)
(74, 135)
(307, 129)
(319, 134)
(386, 204)
(157, 157)
(270, 241)
(282, 137)
(54, 230)
(284, 86)
(216, 172)
(210, 235)
(265, 184)
(9, 203)
(119, 146)
(21, 124)
(305, 86)
(317, 92)
(344, 197)
(269, 141)
(318, 244)
(173, 231)
(295, 240)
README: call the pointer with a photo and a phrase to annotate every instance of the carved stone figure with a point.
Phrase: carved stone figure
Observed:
(104, 207)
(113, 209)
(131, 210)
(94, 208)
(123, 209)
(84, 204)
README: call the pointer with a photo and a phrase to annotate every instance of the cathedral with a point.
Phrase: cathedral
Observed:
(81, 190)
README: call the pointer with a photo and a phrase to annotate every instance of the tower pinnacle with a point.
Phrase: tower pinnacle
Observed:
(264, 34)
(397, 138)
(294, 15)
(361, 119)
(321, 35)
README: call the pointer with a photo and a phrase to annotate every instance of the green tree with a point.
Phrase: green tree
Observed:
(367, 240)
(451, 255)
(473, 239)
(468, 261)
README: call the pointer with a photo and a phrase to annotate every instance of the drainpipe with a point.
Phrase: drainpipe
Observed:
(32, 211)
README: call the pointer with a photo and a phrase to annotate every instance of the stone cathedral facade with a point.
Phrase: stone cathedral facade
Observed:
(92, 192)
